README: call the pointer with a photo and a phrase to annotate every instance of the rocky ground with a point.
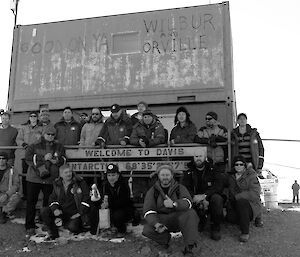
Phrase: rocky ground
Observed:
(280, 237)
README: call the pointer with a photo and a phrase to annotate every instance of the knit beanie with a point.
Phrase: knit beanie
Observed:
(213, 115)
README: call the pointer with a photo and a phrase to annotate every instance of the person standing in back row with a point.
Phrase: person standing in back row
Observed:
(68, 129)
(8, 135)
(295, 188)
(247, 142)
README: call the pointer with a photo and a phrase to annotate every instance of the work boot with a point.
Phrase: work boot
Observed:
(188, 250)
(258, 222)
(215, 232)
(244, 238)
(30, 232)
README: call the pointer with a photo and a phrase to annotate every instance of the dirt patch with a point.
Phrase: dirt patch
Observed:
(278, 238)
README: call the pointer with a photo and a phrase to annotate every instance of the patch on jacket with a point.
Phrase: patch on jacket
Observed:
(73, 128)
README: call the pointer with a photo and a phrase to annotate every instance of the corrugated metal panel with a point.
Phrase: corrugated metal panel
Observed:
(166, 54)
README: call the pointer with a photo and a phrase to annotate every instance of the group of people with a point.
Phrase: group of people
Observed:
(169, 205)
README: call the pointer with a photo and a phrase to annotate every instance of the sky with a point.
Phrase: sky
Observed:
(266, 56)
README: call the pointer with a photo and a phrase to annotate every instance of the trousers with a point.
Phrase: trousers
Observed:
(184, 221)
(240, 212)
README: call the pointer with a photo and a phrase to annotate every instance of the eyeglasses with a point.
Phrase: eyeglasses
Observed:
(208, 118)
(33, 116)
(239, 164)
(95, 113)
(50, 134)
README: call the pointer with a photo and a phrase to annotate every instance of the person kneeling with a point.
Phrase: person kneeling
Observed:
(68, 204)
(168, 208)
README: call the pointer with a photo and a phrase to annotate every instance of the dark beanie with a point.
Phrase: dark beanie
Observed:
(239, 158)
(213, 115)
(242, 114)
(182, 109)
(4, 155)
(32, 112)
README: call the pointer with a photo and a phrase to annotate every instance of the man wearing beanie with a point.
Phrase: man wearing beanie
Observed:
(9, 186)
(137, 117)
(149, 132)
(184, 130)
(246, 141)
(44, 159)
(210, 135)
(168, 208)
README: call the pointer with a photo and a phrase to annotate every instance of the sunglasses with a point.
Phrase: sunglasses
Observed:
(1, 158)
(208, 118)
(33, 116)
(239, 164)
(50, 134)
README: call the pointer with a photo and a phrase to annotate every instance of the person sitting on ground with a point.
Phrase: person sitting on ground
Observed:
(168, 208)
(206, 188)
(149, 132)
(9, 186)
(92, 129)
(184, 130)
(116, 129)
(244, 202)
(212, 134)
(137, 117)
(68, 129)
(246, 141)
(44, 159)
(68, 204)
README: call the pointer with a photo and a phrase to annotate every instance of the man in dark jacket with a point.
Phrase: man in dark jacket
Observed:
(247, 142)
(116, 129)
(148, 132)
(119, 202)
(44, 159)
(68, 203)
(68, 129)
(206, 188)
(168, 208)
(8, 135)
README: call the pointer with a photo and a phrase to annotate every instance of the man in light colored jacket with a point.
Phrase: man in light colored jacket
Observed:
(92, 129)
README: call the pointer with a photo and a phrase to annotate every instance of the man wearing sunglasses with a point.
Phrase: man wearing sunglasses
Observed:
(244, 202)
(212, 134)
(44, 160)
(91, 130)
(9, 185)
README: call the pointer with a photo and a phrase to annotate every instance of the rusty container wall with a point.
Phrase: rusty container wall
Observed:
(169, 56)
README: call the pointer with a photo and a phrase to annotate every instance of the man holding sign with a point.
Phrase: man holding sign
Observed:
(168, 208)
